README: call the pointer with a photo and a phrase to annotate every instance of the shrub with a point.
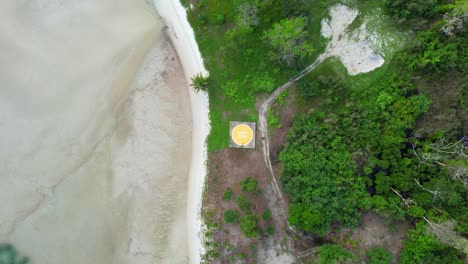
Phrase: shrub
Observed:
(330, 254)
(220, 19)
(243, 203)
(247, 17)
(9, 255)
(230, 216)
(266, 215)
(378, 255)
(249, 184)
(288, 38)
(227, 194)
(270, 230)
(249, 225)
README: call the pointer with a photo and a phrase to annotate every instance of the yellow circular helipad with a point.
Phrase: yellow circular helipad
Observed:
(242, 134)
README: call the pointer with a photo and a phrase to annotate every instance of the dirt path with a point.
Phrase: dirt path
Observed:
(263, 129)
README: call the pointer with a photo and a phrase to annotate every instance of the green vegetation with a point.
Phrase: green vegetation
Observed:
(230, 216)
(245, 54)
(330, 254)
(422, 247)
(227, 194)
(392, 141)
(249, 184)
(270, 230)
(200, 82)
(9, 255)
(288, 38)
(378, 255)
(266, 215)
(272, 120)
(363, 148)
(243, 203)
(249, 225)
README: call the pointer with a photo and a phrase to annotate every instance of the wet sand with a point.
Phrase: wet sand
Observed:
(95, 144)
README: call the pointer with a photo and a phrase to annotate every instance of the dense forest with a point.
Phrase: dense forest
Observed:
(392, 141)
(368, 149)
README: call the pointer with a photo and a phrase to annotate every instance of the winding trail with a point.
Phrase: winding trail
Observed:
(263, 129)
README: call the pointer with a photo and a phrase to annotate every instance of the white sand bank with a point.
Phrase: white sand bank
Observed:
(182, 36)
(356, 49)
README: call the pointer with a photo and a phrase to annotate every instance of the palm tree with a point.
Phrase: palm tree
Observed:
(200, 82)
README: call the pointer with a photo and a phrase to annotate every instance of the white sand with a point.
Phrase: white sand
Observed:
(94, 139)
(181, 34)
(357, 49)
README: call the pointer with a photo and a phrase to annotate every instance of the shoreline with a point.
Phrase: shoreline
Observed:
(182, 37)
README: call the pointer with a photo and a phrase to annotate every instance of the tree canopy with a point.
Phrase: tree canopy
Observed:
(288, 37)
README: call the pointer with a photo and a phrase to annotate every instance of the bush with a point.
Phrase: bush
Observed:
(9, 255)
(266, 215)
(249, 225)
(227, 194)
(230, 216)
(249, 184)
(330, 254)
(220, 19)
(288, 38)
(423, 247)
(270, 230)
(243, 203)
(378, 255)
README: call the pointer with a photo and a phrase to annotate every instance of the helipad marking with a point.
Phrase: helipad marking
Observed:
(242, 134)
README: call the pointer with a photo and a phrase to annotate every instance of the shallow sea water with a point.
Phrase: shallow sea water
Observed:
(94, 133)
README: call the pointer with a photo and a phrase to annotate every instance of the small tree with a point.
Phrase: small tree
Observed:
(230, 216)
(227, 194)
(249, 225)
(243, 203)
(200, 82)
(288, 37)
(378, 255)
(249, 184)
(247, 17)
(334, 254)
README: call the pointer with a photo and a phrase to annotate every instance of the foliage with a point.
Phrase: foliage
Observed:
(378, 255)
(249, 184)
(330, 254)
(422, 247)
(247, 17)
(249, 225)
(9, 255)
(431, 52)
(243, 203)
(321, 180)
(270, 230)
(288, 38)
(230, 216)
(272, 120)
(282, 98)
(227, 194)
(266, 215)
(408, 9)
(296, 8)
(200, 82)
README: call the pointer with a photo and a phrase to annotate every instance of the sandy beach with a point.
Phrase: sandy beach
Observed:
(105, 154)
(182, 37)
